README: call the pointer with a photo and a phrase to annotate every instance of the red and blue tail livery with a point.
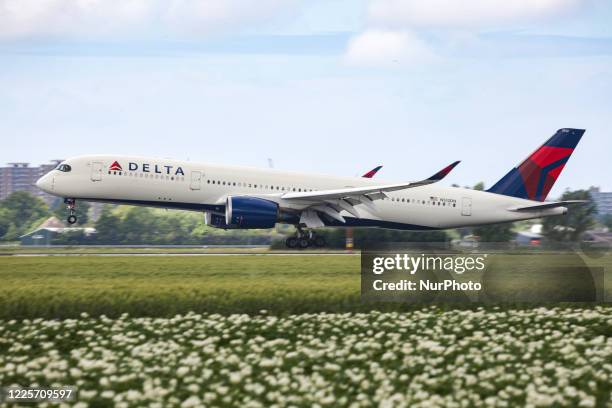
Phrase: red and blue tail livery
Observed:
(535, 176)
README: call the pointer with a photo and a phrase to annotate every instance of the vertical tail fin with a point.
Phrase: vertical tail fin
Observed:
(535, 176)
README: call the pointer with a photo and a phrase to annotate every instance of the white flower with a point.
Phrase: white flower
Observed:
(108, 394)
(235, 378)
(75, 372)
(192, 401)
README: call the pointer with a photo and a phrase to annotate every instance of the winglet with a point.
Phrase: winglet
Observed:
(372, 172)
(442, 173)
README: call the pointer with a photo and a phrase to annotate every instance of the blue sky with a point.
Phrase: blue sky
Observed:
(336, 87)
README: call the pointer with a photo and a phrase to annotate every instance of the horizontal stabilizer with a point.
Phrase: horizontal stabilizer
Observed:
(547, 205)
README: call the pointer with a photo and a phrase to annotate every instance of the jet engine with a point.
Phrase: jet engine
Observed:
(250, 212)
(244, 212)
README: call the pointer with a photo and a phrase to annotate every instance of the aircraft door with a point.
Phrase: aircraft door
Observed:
(466, 206)
(196, 180)
(96, 171)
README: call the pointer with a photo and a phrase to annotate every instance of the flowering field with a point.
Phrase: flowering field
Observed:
(427, 357)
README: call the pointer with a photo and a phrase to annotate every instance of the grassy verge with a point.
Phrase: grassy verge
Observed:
(162, 286)
(85, 250)
(61, 287)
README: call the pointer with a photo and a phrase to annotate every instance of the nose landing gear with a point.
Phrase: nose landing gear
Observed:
(304, 239)
(71, 206)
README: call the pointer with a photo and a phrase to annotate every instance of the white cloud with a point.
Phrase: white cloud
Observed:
(387, 48)
(116, 18)
(26, 18)
(201, 16)
(464, 13)
(393, 27)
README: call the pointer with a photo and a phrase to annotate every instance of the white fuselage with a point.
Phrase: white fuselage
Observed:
(205, 187)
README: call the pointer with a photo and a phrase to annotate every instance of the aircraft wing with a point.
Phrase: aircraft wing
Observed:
(368, 191)
(546, 205)
(332, 202)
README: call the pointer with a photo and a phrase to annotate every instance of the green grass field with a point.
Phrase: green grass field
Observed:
(66, 286)
(84, 250)
(163, 286)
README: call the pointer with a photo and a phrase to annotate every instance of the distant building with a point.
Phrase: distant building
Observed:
(531, 237)
(19, 176)
(603, 200)
(45, 232)
(599, 236)
(44, 236)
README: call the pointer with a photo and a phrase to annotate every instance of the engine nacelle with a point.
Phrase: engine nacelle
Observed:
(216, 220)
(250, 212)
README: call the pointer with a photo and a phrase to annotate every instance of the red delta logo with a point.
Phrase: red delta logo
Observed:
(115, 166)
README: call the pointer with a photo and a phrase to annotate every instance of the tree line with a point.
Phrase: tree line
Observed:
(22, 212)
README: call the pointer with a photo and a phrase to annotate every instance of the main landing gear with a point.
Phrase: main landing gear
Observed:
(304, 239)
(71, 206)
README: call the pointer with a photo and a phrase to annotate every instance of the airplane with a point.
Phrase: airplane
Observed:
(233, 197)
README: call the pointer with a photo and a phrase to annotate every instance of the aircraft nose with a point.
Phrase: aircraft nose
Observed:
(45, 183)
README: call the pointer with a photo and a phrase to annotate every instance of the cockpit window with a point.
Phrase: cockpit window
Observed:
(64, 167)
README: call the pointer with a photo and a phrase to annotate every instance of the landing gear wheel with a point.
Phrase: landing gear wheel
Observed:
(303, 242)
(71, 207)
(291, 242)
(319, 241)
